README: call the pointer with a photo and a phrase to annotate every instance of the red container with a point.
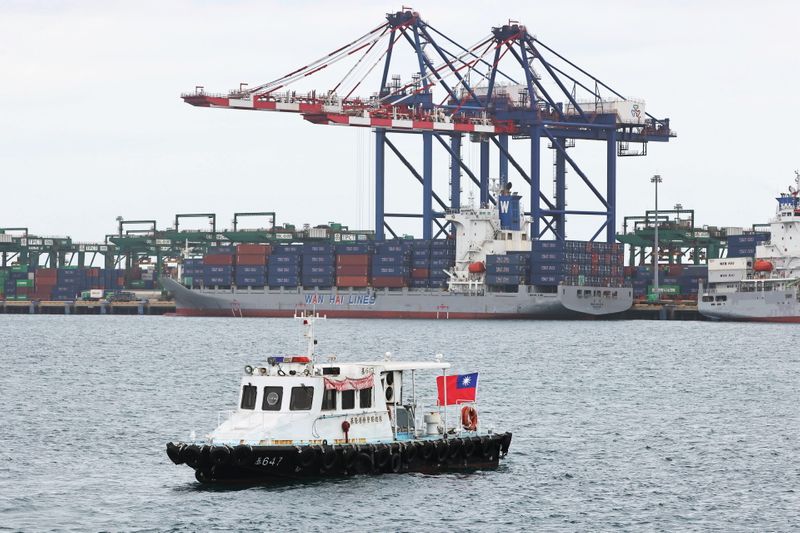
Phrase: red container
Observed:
(420, 273)
(251, 259)
(353, 260)
(675, 270)
(218, 259)
(46, 273)
(253, 249)
(391, 282)
(352, 281)
(352, 270)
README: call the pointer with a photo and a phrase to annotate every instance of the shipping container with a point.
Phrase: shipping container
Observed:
(352, 281)
(352, 270)
(353, 260)
(353, 249)
(218, 259)
(251, 259)
(383, 282)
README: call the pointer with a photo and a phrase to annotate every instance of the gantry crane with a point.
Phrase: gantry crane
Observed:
(507, 86)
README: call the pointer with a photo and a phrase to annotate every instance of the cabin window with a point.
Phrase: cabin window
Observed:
(329, 400)
(272, 399)
(301, 398)
(249, 393)
(365, 398)
(348, 399)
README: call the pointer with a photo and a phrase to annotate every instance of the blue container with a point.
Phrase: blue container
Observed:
(507, 259)
(546, 279)
(353, 248)
(418, 283)
(397, 259)
(437, 274)
(443, 243)
(548, 268)
(389, 270)
(250, 280)
(440, 263)
(504, 279)
(507, 269)
(218, 270)
(443, 252)
(420, 263)
(319, 270)
(421, 253)
(437, 283)
(327, 259)
(285, 259)
(287, 249)
(553, 246)
(227, 250)
(391, 247)
(283, 269)
(318, 248)
(251, 270)
(283, 281)
(324, 281)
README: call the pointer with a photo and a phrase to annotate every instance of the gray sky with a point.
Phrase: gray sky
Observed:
(92, 126)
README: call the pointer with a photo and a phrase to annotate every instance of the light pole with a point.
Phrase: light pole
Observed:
(656, 180)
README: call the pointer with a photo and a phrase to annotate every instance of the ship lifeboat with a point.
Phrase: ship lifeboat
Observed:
(762, 265)
(477, 267)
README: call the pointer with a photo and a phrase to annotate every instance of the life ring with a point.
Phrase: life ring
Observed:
(469, 418)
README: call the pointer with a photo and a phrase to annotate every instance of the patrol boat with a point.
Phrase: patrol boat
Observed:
(298, 418)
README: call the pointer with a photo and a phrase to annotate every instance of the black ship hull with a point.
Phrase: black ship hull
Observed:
(263, 464)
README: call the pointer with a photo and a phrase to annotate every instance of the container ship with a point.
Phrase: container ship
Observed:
(489, 269)
(761, 283)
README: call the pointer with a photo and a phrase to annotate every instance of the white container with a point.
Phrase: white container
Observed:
(726, 276)
(96, 293)
(730, 263)
(733, 231)
(318, 233)
(4, 237)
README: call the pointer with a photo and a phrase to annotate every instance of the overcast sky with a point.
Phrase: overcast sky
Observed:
(92, 126)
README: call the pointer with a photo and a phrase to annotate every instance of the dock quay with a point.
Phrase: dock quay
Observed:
(33, 307)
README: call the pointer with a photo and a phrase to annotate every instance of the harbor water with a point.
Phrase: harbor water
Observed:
(625, 425)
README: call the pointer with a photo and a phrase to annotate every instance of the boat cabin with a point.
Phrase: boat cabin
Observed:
(293, 401)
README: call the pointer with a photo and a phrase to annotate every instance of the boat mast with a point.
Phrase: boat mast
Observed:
(308, 318)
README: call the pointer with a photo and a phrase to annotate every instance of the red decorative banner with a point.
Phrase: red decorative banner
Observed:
(349, 383)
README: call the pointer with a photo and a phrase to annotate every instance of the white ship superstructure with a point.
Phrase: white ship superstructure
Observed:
(763, 288)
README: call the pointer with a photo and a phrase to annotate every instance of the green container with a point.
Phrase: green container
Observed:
(19, 268)
(137, 284)
(24, 283)
(188, 280)
(665, 289)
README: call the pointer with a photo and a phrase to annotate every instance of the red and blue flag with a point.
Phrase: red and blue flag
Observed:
(456, 389)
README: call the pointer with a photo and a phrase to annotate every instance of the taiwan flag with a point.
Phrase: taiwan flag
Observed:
(457, 389)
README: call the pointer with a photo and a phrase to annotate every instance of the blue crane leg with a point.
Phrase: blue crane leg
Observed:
(455, 172)
(484, 172)
(380, 138)
(503, 139)
(561, 192)
(427, 185)
(611, 184)
(536, 185)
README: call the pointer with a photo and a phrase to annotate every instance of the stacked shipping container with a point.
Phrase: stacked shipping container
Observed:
(353, 265)
(745, 245)
(576, 263)
(319, 265)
